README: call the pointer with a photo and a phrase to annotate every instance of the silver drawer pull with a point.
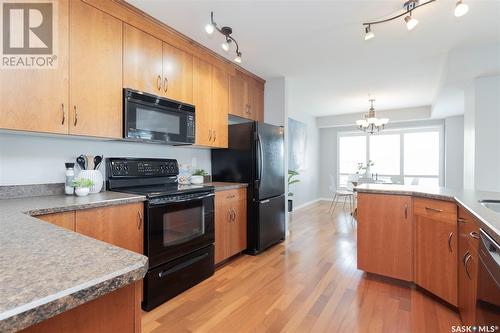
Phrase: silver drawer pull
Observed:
(434, 209)
(474, 234)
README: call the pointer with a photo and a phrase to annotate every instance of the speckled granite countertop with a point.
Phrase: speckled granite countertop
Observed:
(468, 199)
(46, 270)
(224, 186)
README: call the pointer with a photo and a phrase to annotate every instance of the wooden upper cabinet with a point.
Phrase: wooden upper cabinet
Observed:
(64, 220)
(385, 234)
(177, 74)
(122, 225)
(246, 97)
(436, 247)
(37, 99)
(142, 61)
(95, 72)
(220, 105)
(202, 99)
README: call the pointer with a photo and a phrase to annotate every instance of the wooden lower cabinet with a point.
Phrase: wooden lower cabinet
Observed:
(468, 230)
(436, 248)
(118, 311)
(384, 235)
(65, 219)
(121, 225)
(230, 223)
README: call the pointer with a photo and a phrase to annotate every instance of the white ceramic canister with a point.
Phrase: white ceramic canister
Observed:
(96, 177)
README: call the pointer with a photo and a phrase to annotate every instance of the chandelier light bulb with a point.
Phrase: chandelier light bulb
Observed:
(369, 33)
(411, 22)
(461, 9)
(209, 28)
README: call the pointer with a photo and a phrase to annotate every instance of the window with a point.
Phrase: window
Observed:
(413, 156)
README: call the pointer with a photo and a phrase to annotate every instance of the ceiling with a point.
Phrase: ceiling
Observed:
(318, 46)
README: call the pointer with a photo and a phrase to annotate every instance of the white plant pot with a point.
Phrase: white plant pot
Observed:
(82, 191)
(197, 179)
(96, 177)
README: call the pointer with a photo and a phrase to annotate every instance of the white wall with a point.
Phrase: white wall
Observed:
(38, 159)
(487, 134)
(469, 136)
(454, 152)
(275, 101)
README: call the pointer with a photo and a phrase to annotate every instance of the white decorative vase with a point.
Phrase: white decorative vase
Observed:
(197, 179)
(82, 191)
(95, 176)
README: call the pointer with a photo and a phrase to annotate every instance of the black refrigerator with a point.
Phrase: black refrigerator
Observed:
(255, 155)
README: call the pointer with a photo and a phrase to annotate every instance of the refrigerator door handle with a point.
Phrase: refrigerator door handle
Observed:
(261, 160)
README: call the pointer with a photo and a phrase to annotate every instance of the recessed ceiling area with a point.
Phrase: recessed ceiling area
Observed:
(319, 47)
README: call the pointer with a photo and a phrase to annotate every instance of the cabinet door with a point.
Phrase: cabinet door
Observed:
(122, 225)
(202, 98)
(259, 102)
(177, 74)
(64, 220)
(220, 103)
(222, 220)
(252, 98)
(142, 61)
(238, 96)
(238, 227)
(436, 251)
(467, 266)
(37, 99)
(95, 72)
(384, 235)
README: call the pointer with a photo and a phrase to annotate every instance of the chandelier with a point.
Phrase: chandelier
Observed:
(409, 6)
(211, 27)
(371, 124)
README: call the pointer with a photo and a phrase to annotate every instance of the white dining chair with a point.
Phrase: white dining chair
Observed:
(343, 193)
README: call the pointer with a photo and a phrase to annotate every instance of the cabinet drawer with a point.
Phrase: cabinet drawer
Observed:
(233, 195)
(435, 209)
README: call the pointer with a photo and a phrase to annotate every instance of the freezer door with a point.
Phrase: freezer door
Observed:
(271, 222)
(270, 168)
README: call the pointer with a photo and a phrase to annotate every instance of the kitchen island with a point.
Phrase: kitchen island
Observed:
(46, 270)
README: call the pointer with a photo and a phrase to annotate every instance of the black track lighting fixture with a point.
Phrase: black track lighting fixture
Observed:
(211, 27)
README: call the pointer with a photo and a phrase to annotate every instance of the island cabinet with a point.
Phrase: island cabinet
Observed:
(468, 243)
(80, 95)
(436, 247)
(210, 94)
(153, 66)
(246, 97)
(230, 223)
(385, 235)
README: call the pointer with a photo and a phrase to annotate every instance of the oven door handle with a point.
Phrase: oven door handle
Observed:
(182, 265)
(184, 200)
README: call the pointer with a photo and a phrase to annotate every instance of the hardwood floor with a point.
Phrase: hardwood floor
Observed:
(307, 284)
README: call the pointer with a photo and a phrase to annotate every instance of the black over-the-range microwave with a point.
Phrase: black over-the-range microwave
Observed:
(151, 118)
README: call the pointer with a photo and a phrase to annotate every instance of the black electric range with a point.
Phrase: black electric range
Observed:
(179, 225)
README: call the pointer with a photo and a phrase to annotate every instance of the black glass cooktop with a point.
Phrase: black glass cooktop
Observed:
(151, 191)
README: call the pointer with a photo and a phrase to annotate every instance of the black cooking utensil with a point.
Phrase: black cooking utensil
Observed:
(81, 162)
(97, 162)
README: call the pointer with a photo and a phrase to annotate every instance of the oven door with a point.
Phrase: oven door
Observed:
(178, 227)
(153, 122)
(488, 283)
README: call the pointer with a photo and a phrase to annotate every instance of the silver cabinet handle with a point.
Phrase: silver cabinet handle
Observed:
(434, 209)
(469, 256)
(406, 212)
(229, 215)
(215, 135)
(158, 82)
(140, 220)
(233, 215)
(165, 85)
(210, 135)
(449, 241)
(474, 234)
(76, 116)
(465, 257)
(63, 114)
(462, 220)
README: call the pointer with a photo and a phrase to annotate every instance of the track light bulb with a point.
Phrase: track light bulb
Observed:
(238, 58)
(461, 9)
(209, 28)
(411, 22)
(225, 46)
(369, 33)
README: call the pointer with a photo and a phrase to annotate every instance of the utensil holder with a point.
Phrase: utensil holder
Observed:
(96, 177)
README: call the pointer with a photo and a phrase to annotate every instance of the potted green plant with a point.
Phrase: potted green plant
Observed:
(292, 179)
(82, 186)
(198, 176)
